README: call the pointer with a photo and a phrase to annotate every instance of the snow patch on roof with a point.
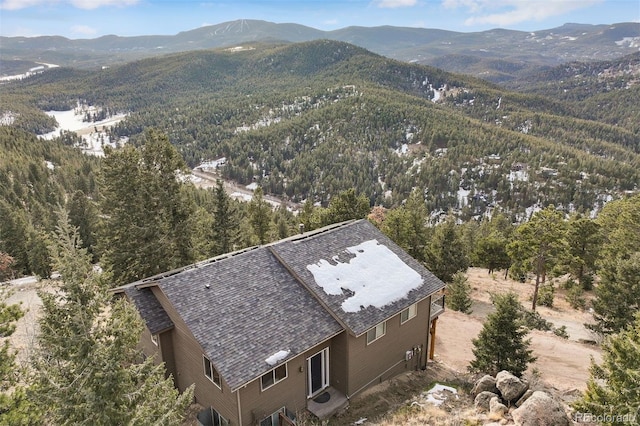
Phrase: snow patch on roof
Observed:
(277, 357)
(376, 277)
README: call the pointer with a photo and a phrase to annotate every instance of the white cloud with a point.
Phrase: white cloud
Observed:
(393, 4)
(83, 29)
(509, 12)
(80, 4)
(21, 4)
(94, 4)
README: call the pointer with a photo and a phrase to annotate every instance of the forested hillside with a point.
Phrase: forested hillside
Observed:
(37, 178)
(606, 91)
(308, 120)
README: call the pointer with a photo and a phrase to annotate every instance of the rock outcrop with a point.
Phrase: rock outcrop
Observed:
(483, 400)
(540, 409)
(497, 407)
(485, 383)
(511, 387)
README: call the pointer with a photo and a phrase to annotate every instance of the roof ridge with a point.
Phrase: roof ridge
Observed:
(196, 265)
(314, 233)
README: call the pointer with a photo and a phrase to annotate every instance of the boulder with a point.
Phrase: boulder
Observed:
(497, 407)
(485, 383)
(524, 397)
(511, 388)
(540, 409)
(483, 400)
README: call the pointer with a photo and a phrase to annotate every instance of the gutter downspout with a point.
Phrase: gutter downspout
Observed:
(239, 408)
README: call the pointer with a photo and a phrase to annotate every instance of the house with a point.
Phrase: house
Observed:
(303, 323)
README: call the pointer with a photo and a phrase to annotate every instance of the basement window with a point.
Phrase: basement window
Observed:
(211, 373)
(376, 332)
(408, 313)
(274, 376)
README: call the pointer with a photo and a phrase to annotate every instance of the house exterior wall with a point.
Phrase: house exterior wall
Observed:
(385, 357)
(189, 367)
(165, 342)
(338, 362)
(147, 346)
(290, 392)
(354, 365)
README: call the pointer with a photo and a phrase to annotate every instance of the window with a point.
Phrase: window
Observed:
(209, 416)
(211, 373)
(408, 313)
(274, 376)
(154, 339)
(274, 418)
(218, 420)
(376, 332)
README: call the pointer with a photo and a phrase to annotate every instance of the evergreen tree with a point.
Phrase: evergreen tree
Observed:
(346, 206)
(149, 216)
(501, 344)
(584, 239)
(620, 227)
(446, 253)
(225, 221)
(538, 245)
(39, 256)
(617, 295)
(83, 215)
(87, 366)
(6, 266)
(459, 294)
(491, 252)
(416, 216)
(15, 408)
(614, 386)
(260, 215)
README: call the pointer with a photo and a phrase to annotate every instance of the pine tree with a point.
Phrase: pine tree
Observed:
(87, 366)
(501, 344)
(260, 215)
(617, 295)
(491, 252)
(614, 386)
(459, 294)
(416, 216)
(446, 253)
(225, 221)
(149, 217)
(584, 239)
(538, 245)
(15, 408)
(346, 205)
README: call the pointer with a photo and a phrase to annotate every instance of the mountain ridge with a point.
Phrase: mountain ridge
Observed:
(522, 51)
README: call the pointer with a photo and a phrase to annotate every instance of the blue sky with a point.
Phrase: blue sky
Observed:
(94, 18)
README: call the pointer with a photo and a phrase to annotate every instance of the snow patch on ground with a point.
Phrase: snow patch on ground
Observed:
(94, 140)
(439, 394)
(629, 42)
(33, 71)
(376, 277)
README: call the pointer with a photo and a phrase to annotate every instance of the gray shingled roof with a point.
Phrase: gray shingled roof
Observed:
(247, 306)
(252, 309)
(297, 253)
(151, 311)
